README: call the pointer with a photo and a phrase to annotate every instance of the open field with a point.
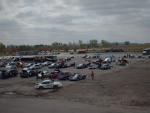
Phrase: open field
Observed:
(119, 90)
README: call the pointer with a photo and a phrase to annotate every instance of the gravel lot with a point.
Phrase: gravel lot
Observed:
(119, 90)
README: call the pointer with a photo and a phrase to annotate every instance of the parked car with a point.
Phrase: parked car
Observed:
(98, 61)
(88, 57)
(8, 73)
(48, 84)
(146, 51)
(53, 65)
(64, 75)
(71, 64)
(77, 77)
(81, 66)
(3, 74)
(38, 66)
(93, 66)
(27, 73)
(59, 75)
(43, 74)
(62, 65)
(28, 65)
(96, 56)
(32, 67)
(2, 64)
(10, 67)
(12, 72)
(11, 64)
(84, 56)
(140, 57)
(108, 60)
(72, 57)
(105, 66)
(67, 58)
(88, 63)
(54, 74)
(46, 63)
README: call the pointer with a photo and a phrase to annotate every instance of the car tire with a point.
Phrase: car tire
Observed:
(55, 87)
(40, 87)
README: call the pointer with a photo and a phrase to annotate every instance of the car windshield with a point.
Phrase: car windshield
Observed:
(24, 71)
(76, 75)
(80, 64)
(45, 72)
(46, 82)
(105, 64)
(53, 64)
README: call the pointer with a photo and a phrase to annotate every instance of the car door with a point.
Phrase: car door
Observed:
(45, 84)
(50, 84)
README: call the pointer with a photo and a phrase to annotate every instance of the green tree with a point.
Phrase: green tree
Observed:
(65, 47)
(93, 43)
(126, 43)
(57, 46)
(105, 43)
(80, 43)
(2, 48)
(75, 46)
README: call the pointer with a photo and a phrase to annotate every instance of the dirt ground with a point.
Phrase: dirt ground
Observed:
(123, 90)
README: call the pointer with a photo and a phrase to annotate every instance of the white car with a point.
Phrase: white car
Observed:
(109, 60)
(48, 84)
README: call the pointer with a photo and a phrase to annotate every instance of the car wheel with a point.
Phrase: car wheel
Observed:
(55, 87)
(40, 87)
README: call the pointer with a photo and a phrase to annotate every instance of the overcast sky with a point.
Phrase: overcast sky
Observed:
(46, 21)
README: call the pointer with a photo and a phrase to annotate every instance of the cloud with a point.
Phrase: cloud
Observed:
(45, 21)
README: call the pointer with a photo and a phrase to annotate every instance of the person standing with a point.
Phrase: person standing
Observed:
(92, 75)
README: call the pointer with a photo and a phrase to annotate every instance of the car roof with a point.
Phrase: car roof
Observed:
(46, 81)
(80, 64)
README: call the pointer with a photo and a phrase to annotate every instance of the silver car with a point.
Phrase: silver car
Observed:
(48, 84)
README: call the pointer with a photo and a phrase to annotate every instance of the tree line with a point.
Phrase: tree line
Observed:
(10, 49)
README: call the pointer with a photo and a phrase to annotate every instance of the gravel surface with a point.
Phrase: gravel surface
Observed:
(119, 90)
